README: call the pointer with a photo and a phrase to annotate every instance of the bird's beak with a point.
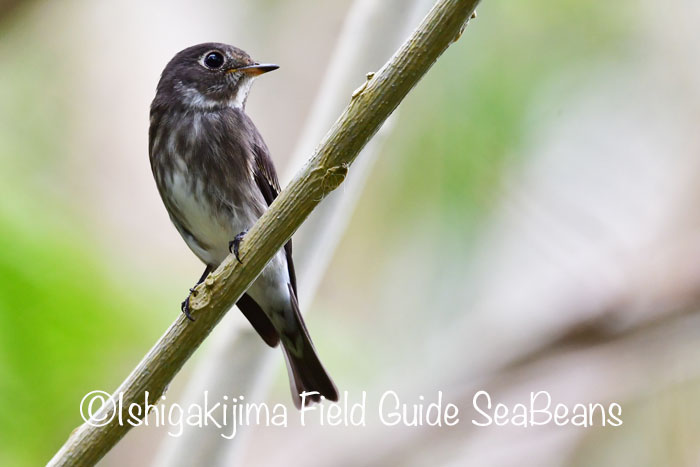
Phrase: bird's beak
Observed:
(255, 69)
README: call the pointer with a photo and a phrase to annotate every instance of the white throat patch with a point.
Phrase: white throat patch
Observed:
(239, 99)
(197, 99)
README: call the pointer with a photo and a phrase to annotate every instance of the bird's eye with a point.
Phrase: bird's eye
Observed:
(214, 60)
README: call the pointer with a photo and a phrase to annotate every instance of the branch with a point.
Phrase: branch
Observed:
(369, 107)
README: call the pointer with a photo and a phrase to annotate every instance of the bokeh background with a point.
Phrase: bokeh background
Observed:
(530, 224)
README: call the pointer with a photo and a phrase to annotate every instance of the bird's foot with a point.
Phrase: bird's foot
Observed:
(185, 306)
(234, 244)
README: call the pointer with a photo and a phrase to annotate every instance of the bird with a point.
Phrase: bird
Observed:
(215, 177)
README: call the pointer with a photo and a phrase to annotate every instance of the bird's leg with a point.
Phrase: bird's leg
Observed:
(235, 243)
(185, 305)
(201, 279)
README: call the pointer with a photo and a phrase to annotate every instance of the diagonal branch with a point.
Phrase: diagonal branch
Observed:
(369, 107)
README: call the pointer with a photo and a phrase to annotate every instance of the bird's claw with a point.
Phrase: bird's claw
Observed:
(185, 306)
(234, 244)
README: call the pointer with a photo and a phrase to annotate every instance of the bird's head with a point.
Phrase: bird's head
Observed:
(209, 76)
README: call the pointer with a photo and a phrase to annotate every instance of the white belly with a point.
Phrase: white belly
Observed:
(212, 233)
(212, 230)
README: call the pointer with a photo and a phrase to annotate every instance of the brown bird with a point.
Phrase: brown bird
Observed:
(216, 178)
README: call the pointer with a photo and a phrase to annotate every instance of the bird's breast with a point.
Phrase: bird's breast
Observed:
(202, 168)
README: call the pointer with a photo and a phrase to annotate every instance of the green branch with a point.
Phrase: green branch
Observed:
(369, 107)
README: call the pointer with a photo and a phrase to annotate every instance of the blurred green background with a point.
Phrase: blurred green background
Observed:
(91, 272)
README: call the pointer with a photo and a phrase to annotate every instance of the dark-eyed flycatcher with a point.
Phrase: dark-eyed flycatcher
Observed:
(216, 178)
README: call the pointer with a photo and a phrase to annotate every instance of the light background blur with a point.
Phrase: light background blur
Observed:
(531, 224)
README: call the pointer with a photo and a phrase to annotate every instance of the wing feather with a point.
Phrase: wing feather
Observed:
(265, 177)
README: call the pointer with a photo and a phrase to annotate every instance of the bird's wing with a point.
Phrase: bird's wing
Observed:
(266, 178)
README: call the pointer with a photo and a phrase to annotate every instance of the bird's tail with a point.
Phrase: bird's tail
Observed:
(306, 373)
